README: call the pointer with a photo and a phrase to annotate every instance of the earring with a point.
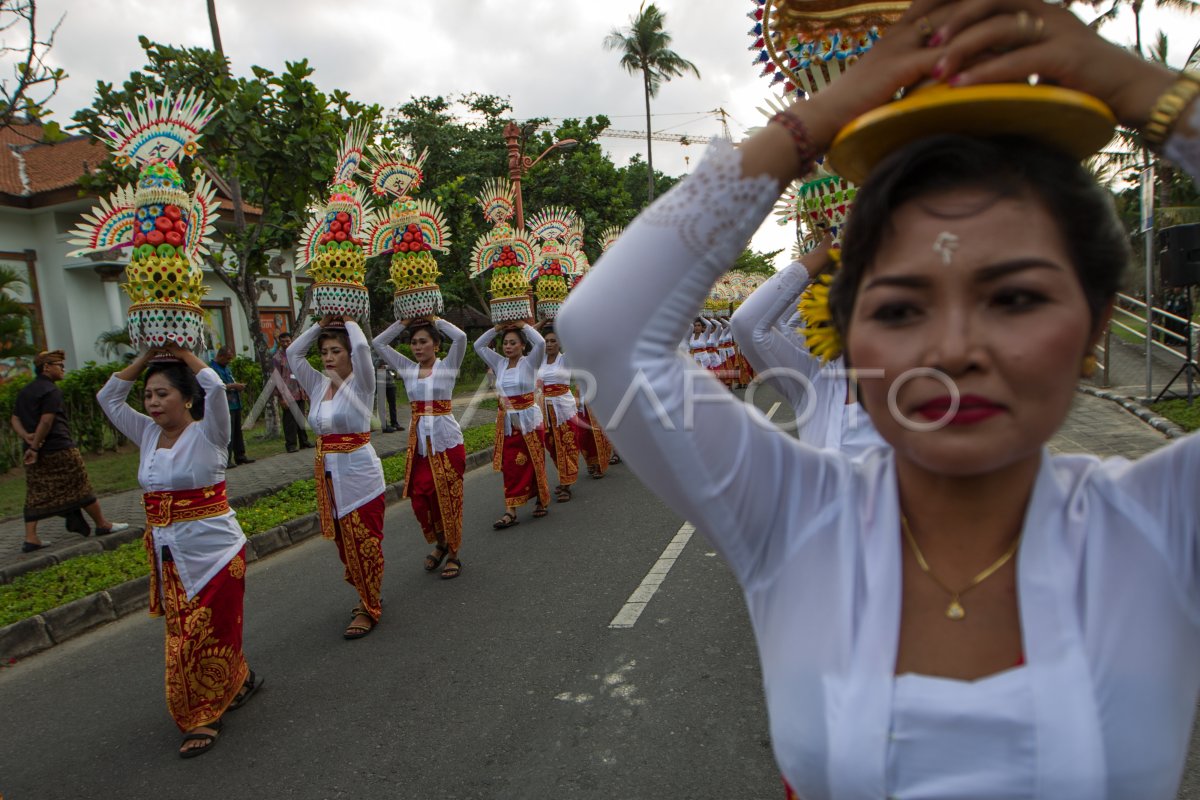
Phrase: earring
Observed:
(188, 405)
(1089, 366)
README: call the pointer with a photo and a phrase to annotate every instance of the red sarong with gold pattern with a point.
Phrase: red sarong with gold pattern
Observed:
(593, 442)
(434, 482)
(359, 538)
(436, 491)
(561, 441)
(521, 457)
(205, 667)
(359, 534)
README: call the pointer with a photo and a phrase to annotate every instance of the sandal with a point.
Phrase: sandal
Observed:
(356, 630)
(196, 736)
(453, 569)
(540, 511)
(614, 459)
(434, 559)
(562, 494)
(507, 521)
(244, 694)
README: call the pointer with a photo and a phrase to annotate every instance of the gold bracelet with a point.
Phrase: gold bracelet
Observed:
(1169, 108)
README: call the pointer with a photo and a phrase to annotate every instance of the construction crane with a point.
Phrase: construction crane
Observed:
(661, 136)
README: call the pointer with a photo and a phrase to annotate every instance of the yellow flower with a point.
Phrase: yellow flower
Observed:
(819, 334)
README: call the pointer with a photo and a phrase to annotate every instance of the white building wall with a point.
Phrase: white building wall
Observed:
(74, 307)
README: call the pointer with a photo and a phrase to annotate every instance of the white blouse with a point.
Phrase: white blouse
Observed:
(816, 392)
(441, 431)
(557, 371)
(521, 379)
(1106, 572)
(358, 475)
(200, 548)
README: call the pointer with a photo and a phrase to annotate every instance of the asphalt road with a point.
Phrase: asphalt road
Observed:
(505, 683)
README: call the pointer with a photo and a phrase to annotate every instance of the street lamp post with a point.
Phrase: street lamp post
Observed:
(519, 164)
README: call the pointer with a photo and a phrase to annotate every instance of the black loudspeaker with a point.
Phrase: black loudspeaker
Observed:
(1179, 250)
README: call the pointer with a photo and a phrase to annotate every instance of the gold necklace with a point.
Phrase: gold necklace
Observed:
(955, 610)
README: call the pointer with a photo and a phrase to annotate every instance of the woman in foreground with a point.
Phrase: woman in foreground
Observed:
(196, 548)
(940, 619)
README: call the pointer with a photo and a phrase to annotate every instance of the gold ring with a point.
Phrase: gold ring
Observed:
(1039, 25)
(924, 27)
(1023, 19)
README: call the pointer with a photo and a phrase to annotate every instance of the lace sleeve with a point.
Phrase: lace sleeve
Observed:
(711, 457)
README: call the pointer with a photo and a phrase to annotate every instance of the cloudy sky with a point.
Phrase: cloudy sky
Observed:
(545, 55)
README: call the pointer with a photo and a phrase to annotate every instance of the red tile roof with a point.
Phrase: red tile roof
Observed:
(29, 167)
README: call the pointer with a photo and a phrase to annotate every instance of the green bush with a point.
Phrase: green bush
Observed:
(90, 428)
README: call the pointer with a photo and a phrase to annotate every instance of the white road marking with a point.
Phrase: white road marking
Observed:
(774, 408)
(636, 604)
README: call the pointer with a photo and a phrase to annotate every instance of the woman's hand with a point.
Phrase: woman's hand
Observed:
(998, 41)
(327, 320)
(135, 367)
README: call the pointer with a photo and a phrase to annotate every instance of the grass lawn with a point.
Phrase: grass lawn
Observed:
(1179, 412)
(54, 586)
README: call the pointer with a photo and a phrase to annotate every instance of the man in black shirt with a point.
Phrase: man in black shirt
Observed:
(56, 481)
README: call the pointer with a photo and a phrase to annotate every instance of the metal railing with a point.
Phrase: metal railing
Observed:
(1129, 316)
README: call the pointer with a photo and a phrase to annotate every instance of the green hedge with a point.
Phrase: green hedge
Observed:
(90, 428)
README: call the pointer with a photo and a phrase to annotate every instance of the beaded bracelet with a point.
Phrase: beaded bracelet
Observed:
(805, 151)
(1168, 108)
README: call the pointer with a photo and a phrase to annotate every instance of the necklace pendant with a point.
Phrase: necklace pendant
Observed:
(955, 611)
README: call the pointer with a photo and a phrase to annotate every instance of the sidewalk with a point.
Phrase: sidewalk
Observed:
(244, 484)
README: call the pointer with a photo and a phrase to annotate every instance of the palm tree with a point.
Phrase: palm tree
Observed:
(14, 317)
(645, 47)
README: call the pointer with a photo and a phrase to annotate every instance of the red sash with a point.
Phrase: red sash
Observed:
(506, 403)
(421, 408)
(332, 443)
(183, 505)
(555, 390)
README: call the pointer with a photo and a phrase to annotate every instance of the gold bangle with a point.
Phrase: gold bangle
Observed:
(1168, 108)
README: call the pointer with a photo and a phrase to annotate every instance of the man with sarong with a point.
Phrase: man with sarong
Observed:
(56, 481)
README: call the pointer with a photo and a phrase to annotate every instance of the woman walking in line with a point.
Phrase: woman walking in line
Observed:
(196, 548)
(561, 415)
(433, 474)
(349, 475)
(520, 436)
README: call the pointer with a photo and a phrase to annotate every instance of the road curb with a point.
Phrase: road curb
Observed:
(1161, 424)
(39, 633)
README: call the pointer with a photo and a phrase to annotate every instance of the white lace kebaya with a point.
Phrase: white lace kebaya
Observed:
(1107, 568)
(521, 379)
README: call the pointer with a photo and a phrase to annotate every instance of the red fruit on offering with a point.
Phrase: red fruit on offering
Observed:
(181, 226)
(408, 237)
(164, 224)
(173, 212)
(403, 247)
(340, 236)
(155, 238)
(139, 240)
(334, 227)
(343, 216)
(414, 227)
(175, 238)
